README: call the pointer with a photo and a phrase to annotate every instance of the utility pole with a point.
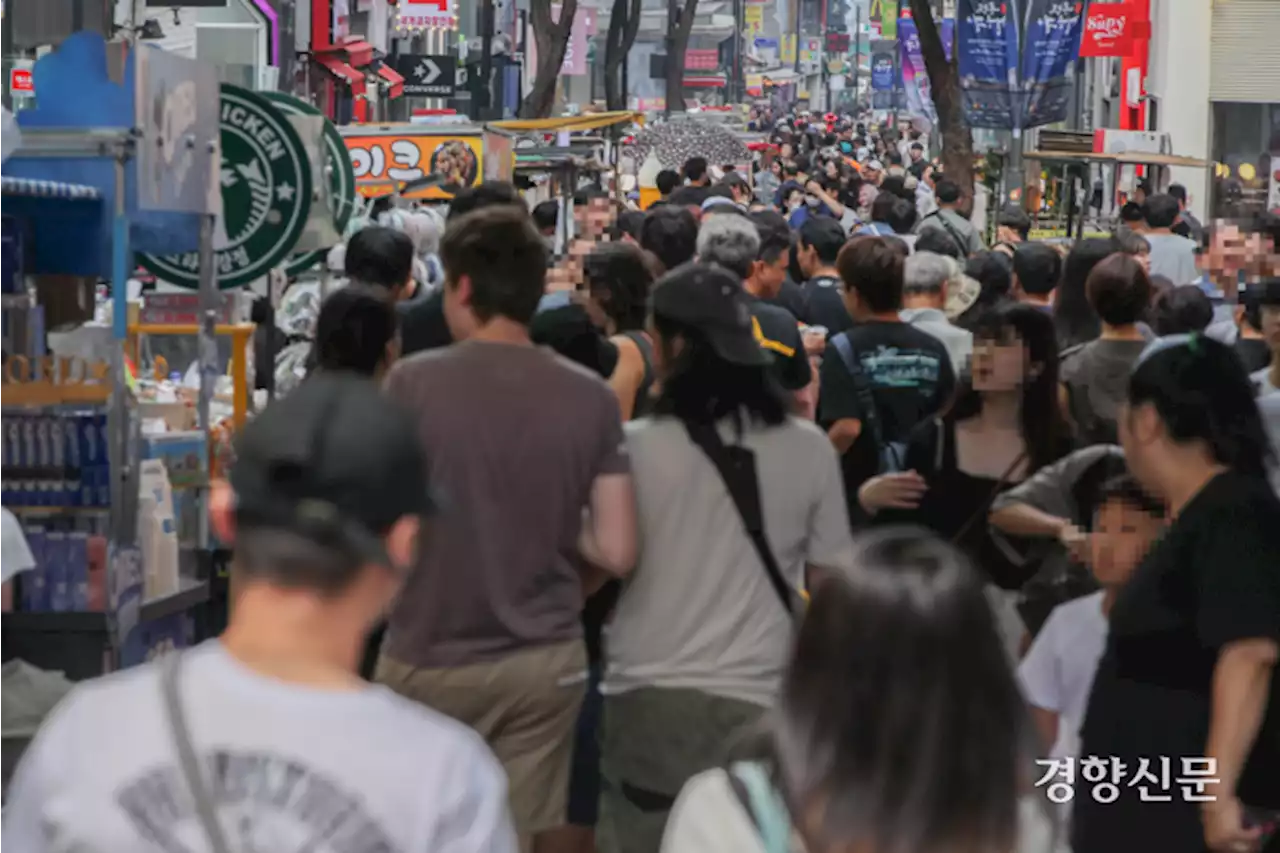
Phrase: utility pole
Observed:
(796, 4)
(822, 54)
(736, 87)
(483, 93)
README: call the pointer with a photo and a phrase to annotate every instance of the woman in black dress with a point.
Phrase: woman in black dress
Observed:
(1186, 689)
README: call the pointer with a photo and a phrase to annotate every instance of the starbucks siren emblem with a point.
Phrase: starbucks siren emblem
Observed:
(265, 180)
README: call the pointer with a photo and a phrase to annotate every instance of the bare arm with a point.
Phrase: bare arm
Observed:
(1021, 519)
(843, 433)
(1241, 685)
(608, 537)
(1046, 723)
(627, 375)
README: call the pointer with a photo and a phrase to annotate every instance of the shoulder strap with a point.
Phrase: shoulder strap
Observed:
(862, 388)
(985, 506)
(752, 785)
(737, 468)
(188, 761)
(645, 344)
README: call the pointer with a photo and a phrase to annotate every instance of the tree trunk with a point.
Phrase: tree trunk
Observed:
(552, 39)
(679, 25)
(944, 83)
(624, 24)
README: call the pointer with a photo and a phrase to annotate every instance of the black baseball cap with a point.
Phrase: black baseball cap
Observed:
(710, 299)
(336, 461)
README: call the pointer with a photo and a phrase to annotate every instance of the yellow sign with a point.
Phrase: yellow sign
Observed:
(755, 81)
(788, 49)
(753, 18)
(383, 162)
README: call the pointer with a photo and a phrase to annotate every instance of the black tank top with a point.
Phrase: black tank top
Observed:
(643, 402)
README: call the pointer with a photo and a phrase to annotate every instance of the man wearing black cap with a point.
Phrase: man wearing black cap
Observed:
(521, 442)
(270, 722)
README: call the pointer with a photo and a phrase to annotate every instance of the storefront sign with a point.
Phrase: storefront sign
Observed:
(418, 14)
(265, 180)
(337, 165)
(1108, 30)
(701, 59)
(428, 76)
(383, 163)
(20, 81)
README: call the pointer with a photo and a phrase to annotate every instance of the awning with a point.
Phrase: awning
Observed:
(341, 69)
(589, 121)
(359, 53)
(704, 81)
(396, 81)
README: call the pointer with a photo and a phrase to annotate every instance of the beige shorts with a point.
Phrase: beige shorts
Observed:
(525, 706)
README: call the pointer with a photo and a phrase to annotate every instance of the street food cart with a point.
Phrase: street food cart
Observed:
(386, 157)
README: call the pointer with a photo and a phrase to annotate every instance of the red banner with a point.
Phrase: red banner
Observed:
(1110, 29)
(701, 59)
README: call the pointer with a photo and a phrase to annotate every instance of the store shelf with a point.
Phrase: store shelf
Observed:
(189, 594)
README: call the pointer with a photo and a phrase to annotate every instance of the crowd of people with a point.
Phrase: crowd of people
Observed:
(786, 514)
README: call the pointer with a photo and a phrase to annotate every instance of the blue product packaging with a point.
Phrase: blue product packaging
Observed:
(34, 598)
(77, 569)
(90, 445)
(58, 461)
(71, 459)
(55, 571)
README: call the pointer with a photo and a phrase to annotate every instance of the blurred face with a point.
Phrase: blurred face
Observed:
(1144, 261)
(794, 199)
(776, 168)
(1000, 364)
(599, 216)
(1122, 535)
(833, 170)
(1228, 251)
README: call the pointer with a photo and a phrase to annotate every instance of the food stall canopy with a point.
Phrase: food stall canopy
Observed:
(1128, 158)
(559, 124)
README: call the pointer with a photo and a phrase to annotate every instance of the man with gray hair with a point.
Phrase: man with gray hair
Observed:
(732, 240)
(924, 298)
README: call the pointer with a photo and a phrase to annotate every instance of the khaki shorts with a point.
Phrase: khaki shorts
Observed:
(525, 706)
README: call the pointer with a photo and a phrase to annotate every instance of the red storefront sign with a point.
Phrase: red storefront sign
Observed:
(702, 59)
(1110, 29)
(20, 80)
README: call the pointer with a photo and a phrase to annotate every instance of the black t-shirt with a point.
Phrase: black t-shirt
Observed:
(1254, 354)
(422, 324)
(910, 378)
(777, 331)
(824, 304)
(1213, 579)
(791, 297)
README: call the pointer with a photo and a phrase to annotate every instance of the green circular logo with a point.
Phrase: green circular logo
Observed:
(337, 164)
(265, 177)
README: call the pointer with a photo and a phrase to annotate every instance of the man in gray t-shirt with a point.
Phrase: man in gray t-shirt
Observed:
(1172, 256)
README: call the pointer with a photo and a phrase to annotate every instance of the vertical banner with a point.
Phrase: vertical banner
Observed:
(882, 82)
(1053, 29)
(988, 45)
(917, 94)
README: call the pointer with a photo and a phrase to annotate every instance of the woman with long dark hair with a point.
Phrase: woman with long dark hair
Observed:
(1002, 426)
(900, 728)
(698, 643)
(1187, 683)
(1073, 316)
(618, 277)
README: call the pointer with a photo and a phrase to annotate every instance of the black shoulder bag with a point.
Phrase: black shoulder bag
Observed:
(737, 467)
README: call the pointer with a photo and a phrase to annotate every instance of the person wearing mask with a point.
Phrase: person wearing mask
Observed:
(1037, 270)
(734, 243)
(1188, 669)
(422, 322)
(924, 300)
(671, 234)
(1187, 225)
(667, 181)
(1267, 379)
(817, 249)
(1095, 375)
(883, 376)
(841, 767)
(1171, 256)
(694, 656)
(948, 219)
(1002, 425)
(1013, 227)
(1073, 315)
(1251, 344)
(327, 501)
(499, 646)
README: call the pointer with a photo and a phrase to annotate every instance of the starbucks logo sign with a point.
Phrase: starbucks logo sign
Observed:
(265, 181)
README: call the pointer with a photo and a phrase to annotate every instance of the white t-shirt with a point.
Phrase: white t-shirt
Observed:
(1057, 674)
(1262, 381)
(291, 767)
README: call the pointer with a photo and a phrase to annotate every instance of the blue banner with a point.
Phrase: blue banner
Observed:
(882, 75)
(988, 47)
(914, 75)
(1053, 29)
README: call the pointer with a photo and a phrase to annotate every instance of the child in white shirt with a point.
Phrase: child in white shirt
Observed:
(1057, 673)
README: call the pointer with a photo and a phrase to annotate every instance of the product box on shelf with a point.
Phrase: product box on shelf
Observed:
(32, 581)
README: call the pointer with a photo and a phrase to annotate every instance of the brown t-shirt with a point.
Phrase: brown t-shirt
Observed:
(515, 436)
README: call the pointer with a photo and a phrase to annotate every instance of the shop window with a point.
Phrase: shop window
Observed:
(1246, 148)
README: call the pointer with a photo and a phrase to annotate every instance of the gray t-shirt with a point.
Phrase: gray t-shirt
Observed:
(1097, 377)
(291, 768)
(515, 437)
(1173, 257)
(699, 611)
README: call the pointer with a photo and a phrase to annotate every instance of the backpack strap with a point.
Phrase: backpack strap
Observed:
(862, 388)
(751, 783)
